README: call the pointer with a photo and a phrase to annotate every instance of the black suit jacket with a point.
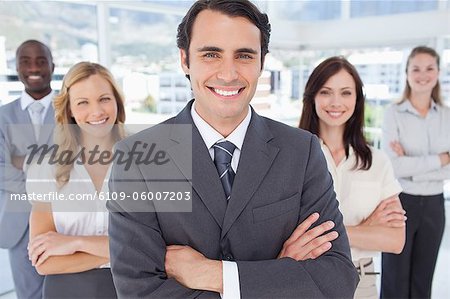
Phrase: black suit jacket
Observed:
(282, 178)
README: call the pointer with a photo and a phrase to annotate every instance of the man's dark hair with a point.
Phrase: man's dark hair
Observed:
(232, 8)
(33, 41)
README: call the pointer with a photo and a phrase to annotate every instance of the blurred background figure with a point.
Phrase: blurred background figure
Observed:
(364, 182)
(20, 126)
(416, 136)
(69, 243)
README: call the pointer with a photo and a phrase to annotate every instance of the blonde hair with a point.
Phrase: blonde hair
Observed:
(67, 135)
(436, 92)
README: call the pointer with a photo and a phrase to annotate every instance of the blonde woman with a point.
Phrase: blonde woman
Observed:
(68, 237)
(416, 136)
(364, 182)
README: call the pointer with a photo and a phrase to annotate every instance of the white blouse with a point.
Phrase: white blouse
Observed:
(360, 191)
(77, 207)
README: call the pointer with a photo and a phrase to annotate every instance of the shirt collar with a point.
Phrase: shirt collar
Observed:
(351, 151)
(434, 106)
(26, 100)
(211, 136)
(406, 106)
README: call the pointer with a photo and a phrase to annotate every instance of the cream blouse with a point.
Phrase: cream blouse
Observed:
(360, 191)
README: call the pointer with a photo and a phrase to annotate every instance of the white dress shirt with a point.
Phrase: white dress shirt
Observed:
(26, 100)
(210, 136)
(360, 191)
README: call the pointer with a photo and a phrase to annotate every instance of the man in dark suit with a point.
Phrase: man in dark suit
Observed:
(23, 122)
(257, 185)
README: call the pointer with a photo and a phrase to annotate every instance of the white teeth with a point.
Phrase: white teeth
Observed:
(97, 122)
(335, 114)
(226, 93)
(34, 77)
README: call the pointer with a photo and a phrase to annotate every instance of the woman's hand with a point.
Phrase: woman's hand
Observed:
(49, 244)
(389, 212)
(445, 158)
(397, 148)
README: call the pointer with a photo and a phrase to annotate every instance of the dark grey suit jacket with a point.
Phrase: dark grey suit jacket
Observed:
(16, 134)
(282, 178)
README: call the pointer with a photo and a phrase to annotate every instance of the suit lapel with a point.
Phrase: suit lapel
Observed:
(22, 115)
(24, 121)
(205, 179)
(22, 124)
(255, 161)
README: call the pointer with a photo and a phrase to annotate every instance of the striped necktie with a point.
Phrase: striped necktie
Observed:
(223, 153)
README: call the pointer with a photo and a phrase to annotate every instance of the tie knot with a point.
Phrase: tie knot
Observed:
(223, 152)
(36, 107)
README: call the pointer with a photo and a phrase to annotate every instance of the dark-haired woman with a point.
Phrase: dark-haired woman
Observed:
(364, 182)
(416, 136)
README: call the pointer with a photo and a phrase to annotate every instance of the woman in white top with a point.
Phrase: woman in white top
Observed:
(416, 136)
(68, 236)
(365, 186)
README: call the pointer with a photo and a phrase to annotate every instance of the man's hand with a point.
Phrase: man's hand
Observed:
(193, 270)
(389, 212)
(50, 244)
(305, 243)
(17, 161)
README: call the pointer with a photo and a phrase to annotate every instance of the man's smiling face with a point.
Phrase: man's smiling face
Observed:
(224, 66)
(35, 68)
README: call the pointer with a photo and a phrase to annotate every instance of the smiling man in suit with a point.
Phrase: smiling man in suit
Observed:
(262, 198)
(21, 126)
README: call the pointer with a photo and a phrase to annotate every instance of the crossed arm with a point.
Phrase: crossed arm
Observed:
(10, 168)
(149, 268)
(406, 166)
(439, 174)
(183, 272)
(193, 270)
(383, 230)
(54, 253)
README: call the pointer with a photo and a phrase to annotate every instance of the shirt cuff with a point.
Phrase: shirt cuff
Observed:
(107, 265)
(230, 281)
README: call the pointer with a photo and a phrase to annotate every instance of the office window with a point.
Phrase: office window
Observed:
(308, 10)
(365, 8)
(143, 40)
(68, 28)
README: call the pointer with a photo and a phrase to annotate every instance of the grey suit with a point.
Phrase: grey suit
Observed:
(282, 178)
(16, 134)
